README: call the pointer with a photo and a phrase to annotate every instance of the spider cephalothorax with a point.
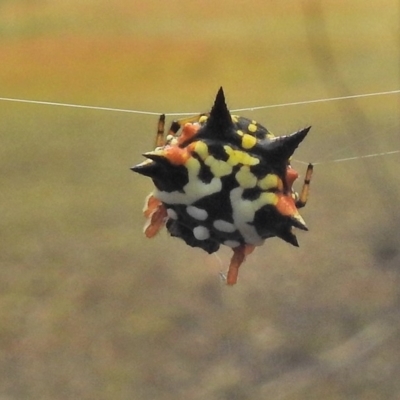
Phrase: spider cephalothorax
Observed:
(223, 179)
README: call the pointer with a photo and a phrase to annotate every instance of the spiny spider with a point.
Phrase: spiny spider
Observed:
(223, 179)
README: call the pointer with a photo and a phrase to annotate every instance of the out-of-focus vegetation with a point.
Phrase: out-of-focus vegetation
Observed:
(90, 309)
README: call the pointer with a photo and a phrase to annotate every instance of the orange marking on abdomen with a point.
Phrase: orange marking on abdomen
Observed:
(188, 131)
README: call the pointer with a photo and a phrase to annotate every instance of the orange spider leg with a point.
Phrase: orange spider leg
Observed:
(151, 205)
(301, 202)
(156, 215)
(239, 254)
(160, 131)
(178, 124)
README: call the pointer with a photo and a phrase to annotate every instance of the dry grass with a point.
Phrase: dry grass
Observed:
(90, 308)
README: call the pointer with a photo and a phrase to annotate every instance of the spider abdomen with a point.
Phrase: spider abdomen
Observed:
(224, 179)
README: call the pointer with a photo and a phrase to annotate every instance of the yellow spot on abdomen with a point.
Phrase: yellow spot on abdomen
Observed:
(270, 181)
(245, 178)
(201, 149)
(252, 128)
(192, 165)
(248, 141)
(240, 157)
(267, 198)
(218, 167)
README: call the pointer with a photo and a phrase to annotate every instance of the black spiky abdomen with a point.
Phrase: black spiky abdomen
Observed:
(226, 183)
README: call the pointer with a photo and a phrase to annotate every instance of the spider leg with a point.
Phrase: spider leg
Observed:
(160, 131)
(173, 130)
(156, 215)
(178, 124)
(302, 200)
(239, 254)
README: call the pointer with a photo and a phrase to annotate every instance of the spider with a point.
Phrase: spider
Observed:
(223, 179)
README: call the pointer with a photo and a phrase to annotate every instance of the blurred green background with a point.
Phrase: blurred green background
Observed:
(91, 309)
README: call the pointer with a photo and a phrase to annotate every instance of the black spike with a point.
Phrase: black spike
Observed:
(160, 158)
(146, 168)
(298, 222)
(153, 166)
(289, 237)
(282, 147)
(219, 124)
(165, 176)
